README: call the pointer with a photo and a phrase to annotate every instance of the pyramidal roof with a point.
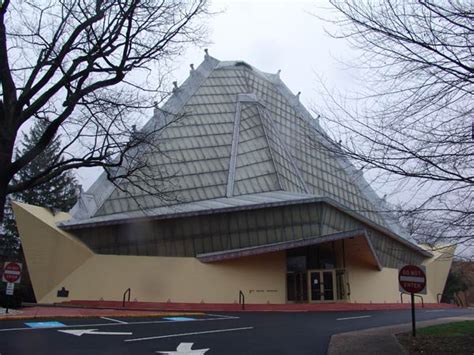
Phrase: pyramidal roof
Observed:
(233, 135)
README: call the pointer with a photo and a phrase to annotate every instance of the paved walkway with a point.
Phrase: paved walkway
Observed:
(3, 311)
(380, 340)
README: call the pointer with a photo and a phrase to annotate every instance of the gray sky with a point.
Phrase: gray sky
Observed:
(271, 35)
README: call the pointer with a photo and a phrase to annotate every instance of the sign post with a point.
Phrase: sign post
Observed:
(413, 316)
(412, 279)
(11, 275)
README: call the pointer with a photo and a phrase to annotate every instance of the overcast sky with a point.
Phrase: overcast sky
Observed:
(271, 35)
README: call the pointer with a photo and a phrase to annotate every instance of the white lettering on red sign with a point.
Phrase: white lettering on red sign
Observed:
(412, 278)
(12, 272)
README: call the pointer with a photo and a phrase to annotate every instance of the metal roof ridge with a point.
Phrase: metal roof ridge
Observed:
(296, 103)
(234, 151)
(297, 172)
(262, 120)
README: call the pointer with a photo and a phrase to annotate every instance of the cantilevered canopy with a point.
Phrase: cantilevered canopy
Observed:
(360, 235)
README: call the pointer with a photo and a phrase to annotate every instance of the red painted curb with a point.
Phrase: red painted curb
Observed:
(226, 307)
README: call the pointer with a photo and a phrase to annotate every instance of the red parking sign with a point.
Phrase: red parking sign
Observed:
(412, 278)
(12, 272)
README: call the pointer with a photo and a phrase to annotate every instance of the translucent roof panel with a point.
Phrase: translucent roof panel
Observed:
(254, 169)
(231, 130)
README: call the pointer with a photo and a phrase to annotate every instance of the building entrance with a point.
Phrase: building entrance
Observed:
(313, 275)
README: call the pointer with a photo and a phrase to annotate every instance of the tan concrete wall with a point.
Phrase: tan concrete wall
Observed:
(369, 285)
(51, 254)
(178, 279)
(437, 270)
(373, 286)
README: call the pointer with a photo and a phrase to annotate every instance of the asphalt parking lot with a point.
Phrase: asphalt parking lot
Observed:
(238, 333)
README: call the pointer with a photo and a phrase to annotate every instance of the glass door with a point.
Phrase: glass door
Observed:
(328, 285)
(321, 285)
(297, 286)
(315, 281)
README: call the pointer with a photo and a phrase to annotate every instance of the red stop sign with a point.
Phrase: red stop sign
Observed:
(12, 272)
(412, 278)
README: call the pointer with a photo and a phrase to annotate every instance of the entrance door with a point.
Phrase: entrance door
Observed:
(297, 286)
(321, 285)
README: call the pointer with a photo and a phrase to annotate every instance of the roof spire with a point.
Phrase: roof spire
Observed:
(206, 51)
(298, 95)
(278, 72)
(175, 86)
(192, 67)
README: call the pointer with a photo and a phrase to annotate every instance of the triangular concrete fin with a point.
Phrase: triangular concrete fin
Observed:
(55, 247)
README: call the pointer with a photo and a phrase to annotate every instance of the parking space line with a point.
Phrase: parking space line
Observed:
(114, 320)
(435, 310)
(358, 317)
(221, 316)
(192, 333)
(114, 324)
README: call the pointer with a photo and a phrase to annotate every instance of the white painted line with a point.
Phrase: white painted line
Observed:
(114, 324)
(436, 310)
(80, 332)
(412, 279)
(221, 316)
(192, 333)
(359, 317)
(113, 320)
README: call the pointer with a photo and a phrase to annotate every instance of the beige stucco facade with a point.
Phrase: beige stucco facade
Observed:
(57, 259)
(382, 286)
(170, 279)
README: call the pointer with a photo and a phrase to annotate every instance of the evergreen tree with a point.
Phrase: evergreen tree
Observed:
(10, 244)
(59, 193)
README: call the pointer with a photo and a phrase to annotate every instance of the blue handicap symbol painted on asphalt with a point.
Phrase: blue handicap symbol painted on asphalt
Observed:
(179, 319)
(45, 324)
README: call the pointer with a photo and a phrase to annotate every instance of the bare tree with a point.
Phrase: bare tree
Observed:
(412, 121)
(86, 67)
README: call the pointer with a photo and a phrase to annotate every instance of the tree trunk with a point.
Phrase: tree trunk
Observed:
(6, 153)
(3, 197)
